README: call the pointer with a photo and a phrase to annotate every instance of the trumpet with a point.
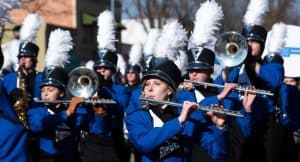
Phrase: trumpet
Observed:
(238, 88)
(91, 101)
(202, 108)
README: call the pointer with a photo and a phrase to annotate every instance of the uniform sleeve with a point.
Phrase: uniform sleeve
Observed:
(40, 119)
(246, 123)
(144, 137)
(271, 75)
(13, 140)
(100, 126)
(290, 112)
(215, 141)
(134, 101)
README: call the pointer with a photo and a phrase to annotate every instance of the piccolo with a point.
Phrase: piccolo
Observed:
(203, 108)
(238, 88)
(91, 101)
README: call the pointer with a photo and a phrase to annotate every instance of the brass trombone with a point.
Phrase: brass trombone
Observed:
(203, 108)
(238, 88)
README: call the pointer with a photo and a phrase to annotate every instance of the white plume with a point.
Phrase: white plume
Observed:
(172, 39)
(182, 61)
(90, 64)
(10, 53)
(255, 12)
(207, 22)
(30, 27)
(277, 39)
(106, 35)
(135, 54)
(121, 64)
(151, 40)
(5, 6)
(60, 43)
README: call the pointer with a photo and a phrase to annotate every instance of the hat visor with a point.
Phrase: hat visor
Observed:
(52, 82)
(198, 66)
(105, 64)
(159, 75)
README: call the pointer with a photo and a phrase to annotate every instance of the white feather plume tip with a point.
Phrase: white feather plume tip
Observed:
(90, 64)
(182, 61)
(5, 6)
(278, 36)
(121, 64)
(135, 54)
(106, 35)
(207, 22)
(172, 39)
(152, 38)
(256, 11)
(30, 27)
(60, 43)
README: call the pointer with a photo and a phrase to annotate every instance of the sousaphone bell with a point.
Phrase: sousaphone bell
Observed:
(231, 49)
(83, 82)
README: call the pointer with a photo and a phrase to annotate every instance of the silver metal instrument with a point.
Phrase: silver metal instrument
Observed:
(231, 49)
(203, 108)
(83, 82)
(92, 101)
(239, 88)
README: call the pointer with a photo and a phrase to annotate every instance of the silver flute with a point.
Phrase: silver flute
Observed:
(238, 88)
(92, 101)
(203, 108)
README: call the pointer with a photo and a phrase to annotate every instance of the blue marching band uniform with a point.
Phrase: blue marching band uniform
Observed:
(155, 135)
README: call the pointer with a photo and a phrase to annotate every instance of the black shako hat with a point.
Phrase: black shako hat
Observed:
(200, 58)
(55, 76)
(133, 69)
(28, 49)
(106, 58)
(255, 32)
(166, 71)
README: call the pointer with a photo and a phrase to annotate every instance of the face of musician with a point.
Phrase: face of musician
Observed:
(28, 63)
(51, 93)
(199, 75)
(255, 48)
(105, 72)
(132, 78)
(156, 89)
(290, 81)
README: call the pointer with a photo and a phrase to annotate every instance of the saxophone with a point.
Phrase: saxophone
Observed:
(21, 105)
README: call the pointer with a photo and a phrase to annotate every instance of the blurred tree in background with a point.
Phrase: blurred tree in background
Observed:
(156, 12)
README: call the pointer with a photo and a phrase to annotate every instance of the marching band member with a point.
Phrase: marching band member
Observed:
(160, 133)
(57, 124)
(200, 68)
(27, 58)
(112, 147)
(13, 138)
(264, 74)
(290, 113)
(133, 68)
(149, 47)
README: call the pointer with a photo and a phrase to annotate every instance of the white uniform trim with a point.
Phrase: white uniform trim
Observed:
(157, 122)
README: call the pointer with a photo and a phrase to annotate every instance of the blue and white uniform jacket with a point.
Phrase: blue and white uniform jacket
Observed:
(269, 78)
(166, 140)
(59, 133)
(290, 107)
(13, 140)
